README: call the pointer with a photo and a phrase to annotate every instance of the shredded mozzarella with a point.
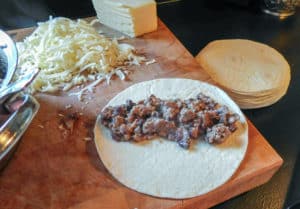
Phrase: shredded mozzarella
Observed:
(70, 53)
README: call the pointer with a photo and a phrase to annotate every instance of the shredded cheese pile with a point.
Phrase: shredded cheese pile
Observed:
(70, 53)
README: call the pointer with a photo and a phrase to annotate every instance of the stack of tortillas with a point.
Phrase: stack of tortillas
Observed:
(253, 74)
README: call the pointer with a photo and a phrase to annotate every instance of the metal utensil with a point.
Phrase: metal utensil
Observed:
(14, 127)
(9, 48)
(17, 86)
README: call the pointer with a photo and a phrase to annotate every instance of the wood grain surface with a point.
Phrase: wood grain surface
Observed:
(56, 166)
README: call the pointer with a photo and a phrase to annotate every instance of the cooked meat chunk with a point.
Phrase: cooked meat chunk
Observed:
(118, 120)
(227, 118)
(171, 103)
(120, 110)
(141, 110)
(209, 102)
(176, 120)
(149, 127)
(217, 134)
(197, 105)
(205, 120)
(116, 135)
(129, 104)
(124, 130)
(186, 115)
(106, 115)
(183, 137)
(170, 113)
(158, 126)
(195, 131)
(153, 101)
(140, 137)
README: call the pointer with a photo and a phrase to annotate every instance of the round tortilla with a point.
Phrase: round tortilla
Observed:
(245, 65)
(253, 74)
(161, 168)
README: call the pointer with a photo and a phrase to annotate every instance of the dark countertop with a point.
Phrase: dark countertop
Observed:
(195, 24)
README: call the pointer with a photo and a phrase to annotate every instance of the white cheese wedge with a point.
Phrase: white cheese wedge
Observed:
(132, 17)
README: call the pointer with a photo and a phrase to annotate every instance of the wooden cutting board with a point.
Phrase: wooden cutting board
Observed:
(56, 166)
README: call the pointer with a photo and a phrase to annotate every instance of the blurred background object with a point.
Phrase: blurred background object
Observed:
(280, 8)
(26, 13)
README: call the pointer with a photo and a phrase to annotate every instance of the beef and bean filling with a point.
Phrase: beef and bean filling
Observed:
(176, 120)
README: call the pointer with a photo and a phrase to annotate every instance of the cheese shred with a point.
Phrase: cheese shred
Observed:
(70, 53)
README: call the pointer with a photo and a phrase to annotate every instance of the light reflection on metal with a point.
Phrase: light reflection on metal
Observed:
(280, 8)
(6, 138)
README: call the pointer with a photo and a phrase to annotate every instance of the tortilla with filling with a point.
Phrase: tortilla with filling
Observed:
(161, 168)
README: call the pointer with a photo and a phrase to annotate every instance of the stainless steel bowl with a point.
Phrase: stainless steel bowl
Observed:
(9, 50)
(17, 109)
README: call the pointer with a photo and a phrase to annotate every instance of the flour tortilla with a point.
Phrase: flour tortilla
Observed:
(161, 168)
(248, 71)
(244, 65)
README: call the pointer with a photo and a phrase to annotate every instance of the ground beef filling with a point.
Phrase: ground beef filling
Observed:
(177, 120)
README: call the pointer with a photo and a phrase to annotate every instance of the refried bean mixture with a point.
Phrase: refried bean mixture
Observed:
(177, 120)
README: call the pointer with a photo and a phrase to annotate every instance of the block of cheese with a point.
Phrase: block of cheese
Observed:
(132, 17)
